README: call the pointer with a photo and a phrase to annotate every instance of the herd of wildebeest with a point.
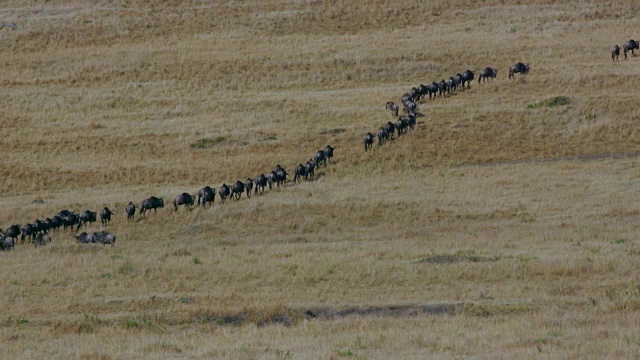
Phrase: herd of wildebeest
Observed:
(39, 231)
(441, 89)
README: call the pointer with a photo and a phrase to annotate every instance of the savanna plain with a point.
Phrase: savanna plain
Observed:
(505, 226)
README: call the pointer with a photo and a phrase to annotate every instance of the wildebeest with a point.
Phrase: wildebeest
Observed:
(458, 81)
(85, 217)
(7, 243)
(248, 186)
(56, 223)
(410, 107)
(382, 136)
(38, 227)
(51, 225)
(151, 203)
(261, 183)
(401, 126)
(105, 216)
(467, 77)
(130, 210)
(70, 220)
(443, 88)
(393, 107)
(411, 121)
(390, 129)
(487, 73)
(26, 232)
(281, 175)
(328, 150)
(299, 172)
(368, 141)
(183, 199)
(320, 158)
(309, 169)
(224, 192)
(451, 84)
(422, 91)
(206, 195)
(432, 89)
(105, 238)
(615, 52)
(630, 45)
(237, 189)
(518, 68)
(272, 178)
(41, 239)
(13, 231)
(85, 238)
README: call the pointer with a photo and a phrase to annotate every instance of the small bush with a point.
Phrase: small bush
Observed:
(206, 142)
(551, 102)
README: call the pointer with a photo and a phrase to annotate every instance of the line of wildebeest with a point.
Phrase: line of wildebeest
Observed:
(443, 88)
(39, 231)
(630, 45)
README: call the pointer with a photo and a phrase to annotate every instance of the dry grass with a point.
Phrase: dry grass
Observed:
(486, 206)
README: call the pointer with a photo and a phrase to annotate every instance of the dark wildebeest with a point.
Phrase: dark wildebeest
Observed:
(382, 136)
(422, 91)
(105, 216)
(151, 203)
(487, 73)
(615, 52)
(630, 45)
(458, 80)
(320, 158)
(50, 224)
(432, 89)
(130, 210)
(272, 178)
(86, 238)
(206, 195)
(13, 231)
(105, 238)
(183, 199)
(39, 226)
(390, 129)
(237, 189)
(26, 232)
(281, 175)
(224, 192)
(70, 220)
(261, 183)
(328, 151)
(411, 121)
(248, 186)
(443, 88)
(87, 216)
(451, 84)
(401, 126)
(41, 239)
(56, 222)
(393, 107)
(518, 68)
(299, 173)
(368, 141)
(309, 169)
(467, 77)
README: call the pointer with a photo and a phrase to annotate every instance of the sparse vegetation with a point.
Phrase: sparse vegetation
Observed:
(107, 102)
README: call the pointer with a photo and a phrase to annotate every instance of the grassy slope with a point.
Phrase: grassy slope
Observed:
(100, 105)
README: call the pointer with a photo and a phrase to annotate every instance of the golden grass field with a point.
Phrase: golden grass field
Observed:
(518, 218)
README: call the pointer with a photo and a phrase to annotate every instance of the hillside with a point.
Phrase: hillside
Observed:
(510, 215)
